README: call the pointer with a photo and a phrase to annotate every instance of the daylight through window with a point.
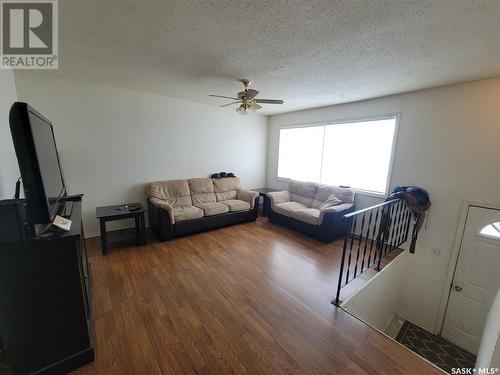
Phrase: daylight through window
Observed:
(356, 154)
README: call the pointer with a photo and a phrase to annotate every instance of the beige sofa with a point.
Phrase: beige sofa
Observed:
(311, 208)
(178, 207)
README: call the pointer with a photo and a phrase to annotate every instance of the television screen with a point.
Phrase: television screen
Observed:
(46, 153)
(38, 160)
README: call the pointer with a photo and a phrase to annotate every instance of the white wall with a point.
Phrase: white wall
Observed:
(495, 360)
(9, 170)
(489, 350)
(377, 302)
(448, 143)
(113, 141)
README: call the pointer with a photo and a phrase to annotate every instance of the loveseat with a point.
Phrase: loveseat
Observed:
(179, 207)
(313, 209)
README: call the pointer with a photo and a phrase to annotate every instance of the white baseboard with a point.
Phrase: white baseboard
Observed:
(92, 235)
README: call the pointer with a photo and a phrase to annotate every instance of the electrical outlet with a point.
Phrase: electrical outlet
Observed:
(436, 251)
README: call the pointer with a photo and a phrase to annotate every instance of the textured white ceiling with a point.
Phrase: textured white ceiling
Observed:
(309, 53)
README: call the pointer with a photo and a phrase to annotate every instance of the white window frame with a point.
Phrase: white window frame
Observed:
(396, 116)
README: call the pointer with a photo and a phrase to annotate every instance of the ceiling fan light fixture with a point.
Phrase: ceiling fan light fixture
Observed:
(248, 100)
(242, 110)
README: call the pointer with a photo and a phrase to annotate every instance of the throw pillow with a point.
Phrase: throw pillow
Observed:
(330, 202)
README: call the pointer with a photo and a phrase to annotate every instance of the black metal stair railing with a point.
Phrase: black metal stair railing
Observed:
(372, 233)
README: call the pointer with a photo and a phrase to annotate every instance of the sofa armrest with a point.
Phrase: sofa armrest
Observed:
(279, 197)
(247, 196)
(167, 207)
(335, 210)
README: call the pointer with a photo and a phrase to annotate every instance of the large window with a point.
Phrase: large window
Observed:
(356, 154)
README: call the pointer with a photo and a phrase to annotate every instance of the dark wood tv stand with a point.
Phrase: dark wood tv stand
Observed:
(45, 309)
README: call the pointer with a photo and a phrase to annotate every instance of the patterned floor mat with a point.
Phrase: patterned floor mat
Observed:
(435, 349)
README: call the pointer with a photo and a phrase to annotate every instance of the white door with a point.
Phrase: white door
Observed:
(476, 279)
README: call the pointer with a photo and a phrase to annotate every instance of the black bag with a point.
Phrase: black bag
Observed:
(418, 202)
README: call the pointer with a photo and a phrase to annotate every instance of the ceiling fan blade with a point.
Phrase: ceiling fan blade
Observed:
(225, 105)
(269, 101)
(251, 93)
(255, 106)
(225, 97)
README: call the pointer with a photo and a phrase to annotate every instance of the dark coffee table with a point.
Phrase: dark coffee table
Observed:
(263, 193)
(120, 212)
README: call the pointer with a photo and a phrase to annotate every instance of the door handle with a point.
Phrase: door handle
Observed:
(458, 288)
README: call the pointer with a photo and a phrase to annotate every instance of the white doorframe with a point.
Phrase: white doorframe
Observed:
(457, 243)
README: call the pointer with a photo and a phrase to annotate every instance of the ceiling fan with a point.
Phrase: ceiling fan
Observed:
(247, 100)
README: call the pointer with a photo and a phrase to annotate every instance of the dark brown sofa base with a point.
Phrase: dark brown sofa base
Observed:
(333, 226)
(165, 230)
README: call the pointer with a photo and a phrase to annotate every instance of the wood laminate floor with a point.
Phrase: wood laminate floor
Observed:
(247, 299)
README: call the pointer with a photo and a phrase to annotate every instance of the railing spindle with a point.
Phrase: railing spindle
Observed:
(390, 229)
(366, 240)
(400, 222)
(408, 221)
(344, 249)
(350, 249)
(378, 218)
(394, 240)
(359, 244)
(385, 225)
(403, 225)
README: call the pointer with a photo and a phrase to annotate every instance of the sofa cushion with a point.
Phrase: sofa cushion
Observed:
(306, 189)
(203, 198)
(202, 190)
(213, 208)
(174, 192)
(307, 215)
(227, 195)
(187, 213)
(226, 184)
(306, 201)
(287, 208)
(200, 185)
(236, 205)
(226, 188)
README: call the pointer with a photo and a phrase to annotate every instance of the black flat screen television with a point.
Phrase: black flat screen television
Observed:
(36, 152)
